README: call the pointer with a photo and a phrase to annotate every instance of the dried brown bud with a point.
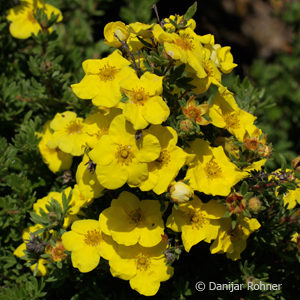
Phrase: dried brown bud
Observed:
(296, 164)
(236, 203)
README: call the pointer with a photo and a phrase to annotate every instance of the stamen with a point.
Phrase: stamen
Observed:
(93, 237)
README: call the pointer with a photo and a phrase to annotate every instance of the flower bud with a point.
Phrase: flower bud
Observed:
(181, 192)
(115, 33)
(264, 151)
(254, 204)
(35, 244)
(296, 164)
(186, 126)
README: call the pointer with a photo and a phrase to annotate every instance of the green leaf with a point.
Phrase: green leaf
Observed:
(190, 12)
(244, 188)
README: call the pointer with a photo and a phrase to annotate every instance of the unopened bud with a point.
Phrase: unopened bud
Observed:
(35, 244)
(254, 204)
(264, 151)
(296, 164)
(181, 192)
(186, 126)
(170, 257)
(115, 33)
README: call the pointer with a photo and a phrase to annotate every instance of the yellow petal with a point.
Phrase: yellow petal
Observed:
(88, 88)
(86, 259)
(133, 114)
(112, 176)
(22, 28)
(144, 284)
(83, 226)
(50, 9)
(73, 241)
(104, 152)
(155, 110)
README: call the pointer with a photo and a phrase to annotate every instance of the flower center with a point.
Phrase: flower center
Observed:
(197, 219)
(92, 237)
(164, 157)
(31, 17)
(212, 169)
(208, 67)
(57, 252)
(138, 96)
(236, 233)
(74, 127)
(232, 120)
(107, 73)
(251, 144)
(101, 132)
(184, 42)
(124, 154)
(136, 215)
(192, 113)
(142, 262)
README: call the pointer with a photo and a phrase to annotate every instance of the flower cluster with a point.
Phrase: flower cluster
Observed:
(163, 126)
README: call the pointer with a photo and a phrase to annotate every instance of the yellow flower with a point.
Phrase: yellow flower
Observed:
(296, 239)
(79, 199)
(120, 158)
(197, 221)
(292, 197)
(195, 112)
(183, 46)
(24, 23)
(225, 114)
(220, 56)
(178, 20)
(69, 133)
(144, 267)
(140, 30)
(86, 179)
(223, 58)
(87, 244)
(233, 241)
(213, 74)
(20, 250)
(165, 168)
(98, 124)
(181, 192)
(144, 105)
(207, 40)
(115, 33)
(212, 172)
(55, 159)
(129, 221)
(43, 202)
(102, 79)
